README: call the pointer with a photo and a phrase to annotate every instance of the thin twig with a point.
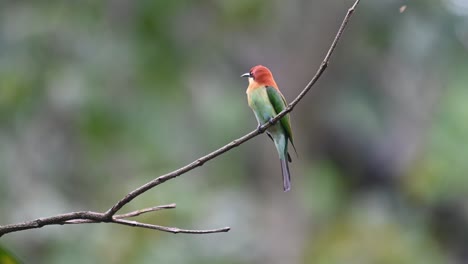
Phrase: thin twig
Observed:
(146, 210)
(53, 220)
(127, 215)
(110, 215)
(94, 217)
(174, 230)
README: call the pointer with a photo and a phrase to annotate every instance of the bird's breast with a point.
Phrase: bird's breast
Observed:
(260, 103)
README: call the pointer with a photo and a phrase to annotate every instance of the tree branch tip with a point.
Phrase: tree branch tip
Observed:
(200, 232)
(160, 207)
(353, 7)
(225, 229)
(144, 211)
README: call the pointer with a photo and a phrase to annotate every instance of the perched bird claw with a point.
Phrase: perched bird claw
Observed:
(260, 129)
(271, 121)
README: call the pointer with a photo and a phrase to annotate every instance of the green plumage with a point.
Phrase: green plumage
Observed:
(279, 104)
(266, 102)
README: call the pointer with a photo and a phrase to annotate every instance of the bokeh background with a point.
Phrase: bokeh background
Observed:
(99, 97)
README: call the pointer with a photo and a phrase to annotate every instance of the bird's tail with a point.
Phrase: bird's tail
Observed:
(286, 175)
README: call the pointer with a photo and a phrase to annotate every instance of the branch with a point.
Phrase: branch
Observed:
(110, 215)
(85, 217)
(127, 215)
(174, 230)
(146, 210)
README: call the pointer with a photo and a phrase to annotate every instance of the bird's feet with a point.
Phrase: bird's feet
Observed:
(259, 126)
(271, 121)
(260, 129)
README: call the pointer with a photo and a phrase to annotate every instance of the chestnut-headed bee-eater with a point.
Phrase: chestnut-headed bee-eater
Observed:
(266, 101)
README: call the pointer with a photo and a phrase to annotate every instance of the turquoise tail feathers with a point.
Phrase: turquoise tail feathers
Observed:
(286, 175)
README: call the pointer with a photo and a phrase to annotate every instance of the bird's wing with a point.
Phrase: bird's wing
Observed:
(279, 104)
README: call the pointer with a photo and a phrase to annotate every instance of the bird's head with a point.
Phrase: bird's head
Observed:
(260, 76)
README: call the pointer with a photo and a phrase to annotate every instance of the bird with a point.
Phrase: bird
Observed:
(266, 101)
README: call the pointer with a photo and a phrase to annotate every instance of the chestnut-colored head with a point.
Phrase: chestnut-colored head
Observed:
(260, 76)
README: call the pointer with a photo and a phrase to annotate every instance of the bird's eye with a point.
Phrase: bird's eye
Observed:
(251, 74)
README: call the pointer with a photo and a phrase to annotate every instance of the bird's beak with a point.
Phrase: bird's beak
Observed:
(247, 74)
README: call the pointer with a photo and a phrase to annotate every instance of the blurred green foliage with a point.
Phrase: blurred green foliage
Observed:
(7, 258)
(99, 97)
